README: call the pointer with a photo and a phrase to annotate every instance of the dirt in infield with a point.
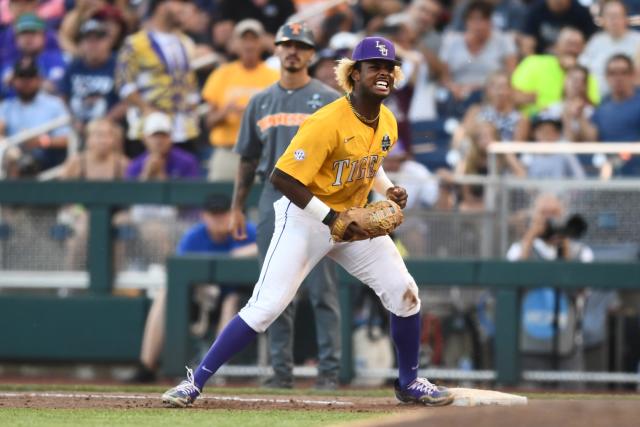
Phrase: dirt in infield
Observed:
(548, 413)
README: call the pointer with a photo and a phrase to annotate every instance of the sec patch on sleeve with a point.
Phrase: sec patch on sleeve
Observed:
(299, 154)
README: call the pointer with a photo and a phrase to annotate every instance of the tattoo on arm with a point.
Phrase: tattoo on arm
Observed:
(244, 180)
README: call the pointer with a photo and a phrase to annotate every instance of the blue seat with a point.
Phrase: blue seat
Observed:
(430, 142)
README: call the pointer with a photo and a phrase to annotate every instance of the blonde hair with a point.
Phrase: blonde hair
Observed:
(345, 67)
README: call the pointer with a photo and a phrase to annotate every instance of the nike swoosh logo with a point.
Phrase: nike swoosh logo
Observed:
(413, 368)
(204, 368)
(348, 139)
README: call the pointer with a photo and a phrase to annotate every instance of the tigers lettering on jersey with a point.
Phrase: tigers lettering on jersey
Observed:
(358, 169)
(281, 119)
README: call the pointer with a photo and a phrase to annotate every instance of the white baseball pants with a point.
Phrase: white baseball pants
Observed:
(299, 241)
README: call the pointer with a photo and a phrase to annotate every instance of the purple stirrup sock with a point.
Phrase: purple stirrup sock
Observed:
(405, 332)
(233, 338)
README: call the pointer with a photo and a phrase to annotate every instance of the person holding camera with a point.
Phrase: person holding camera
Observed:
(550, 326)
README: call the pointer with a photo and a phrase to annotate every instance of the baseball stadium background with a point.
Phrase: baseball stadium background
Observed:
(77, 275)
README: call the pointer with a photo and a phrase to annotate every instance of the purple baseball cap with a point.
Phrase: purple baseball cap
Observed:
(371, 48)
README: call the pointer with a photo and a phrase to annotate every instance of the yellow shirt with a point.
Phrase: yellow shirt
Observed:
(234, 83)
(336, 156)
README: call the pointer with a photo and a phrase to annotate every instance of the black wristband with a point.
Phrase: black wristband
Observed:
(330, 217)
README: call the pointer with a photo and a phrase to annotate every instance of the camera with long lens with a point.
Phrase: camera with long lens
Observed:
(574, 228)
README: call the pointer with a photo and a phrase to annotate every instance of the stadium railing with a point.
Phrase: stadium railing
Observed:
(18, 139)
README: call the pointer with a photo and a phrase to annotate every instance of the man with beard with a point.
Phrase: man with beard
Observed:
(329, 167)
(32, 107)
(270, 122)
(153, 74)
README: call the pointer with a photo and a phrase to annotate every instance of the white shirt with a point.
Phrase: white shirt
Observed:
(601, 47)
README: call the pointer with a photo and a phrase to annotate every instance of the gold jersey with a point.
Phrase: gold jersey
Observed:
(336, 156)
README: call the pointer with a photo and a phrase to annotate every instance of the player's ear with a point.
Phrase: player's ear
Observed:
(355, 74)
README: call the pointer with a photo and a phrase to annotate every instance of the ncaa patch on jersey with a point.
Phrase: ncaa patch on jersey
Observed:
(299, 154)
(386, 143)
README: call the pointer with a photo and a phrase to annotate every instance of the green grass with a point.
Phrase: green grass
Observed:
(173, 418)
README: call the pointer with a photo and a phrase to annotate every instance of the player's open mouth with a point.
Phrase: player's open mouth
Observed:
(382, 84)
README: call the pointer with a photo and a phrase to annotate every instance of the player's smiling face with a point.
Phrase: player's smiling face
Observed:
(375, 77)
(294, 56)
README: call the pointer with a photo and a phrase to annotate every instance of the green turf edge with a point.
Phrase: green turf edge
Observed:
(174, 418)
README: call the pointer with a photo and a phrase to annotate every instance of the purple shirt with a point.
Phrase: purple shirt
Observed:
(180, 164)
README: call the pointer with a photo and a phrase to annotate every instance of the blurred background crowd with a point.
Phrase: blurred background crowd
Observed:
(476, 71)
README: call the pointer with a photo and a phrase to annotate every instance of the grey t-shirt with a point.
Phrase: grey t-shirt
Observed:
(466, 68)
(273, 117)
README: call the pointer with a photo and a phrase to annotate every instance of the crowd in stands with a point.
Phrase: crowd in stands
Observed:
(477, 71)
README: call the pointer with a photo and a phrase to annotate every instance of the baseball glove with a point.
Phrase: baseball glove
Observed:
(378, 219)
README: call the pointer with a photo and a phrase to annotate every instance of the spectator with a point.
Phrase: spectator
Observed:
(475, 162)
(153, 73)
(115, 19)
(508, 15)
(30, 108)
(30, 41)
(616, 38)
(470, 57)
(162, 158)
(50, 11)
(210, 236)
(549, 129)
(542, 241)
(539, 79)
(162, 161)
(617, 119)
(9, 12)
(102, 158)
(424, 16)
(323, 68)
(228, 90)
(83, 10)
(498, 109)
(545, 20)
(270, 13)
(89, 83)
(575, 109)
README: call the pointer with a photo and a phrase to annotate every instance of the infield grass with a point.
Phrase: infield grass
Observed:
(174, 418)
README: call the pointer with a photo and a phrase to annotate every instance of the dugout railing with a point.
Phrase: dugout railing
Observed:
(506, 279)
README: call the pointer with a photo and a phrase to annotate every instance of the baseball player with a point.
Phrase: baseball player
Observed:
(325, 175)
(270, 122)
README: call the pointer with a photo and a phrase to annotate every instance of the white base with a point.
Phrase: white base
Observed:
(476, 397)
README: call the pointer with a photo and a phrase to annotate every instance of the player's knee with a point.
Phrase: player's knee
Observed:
(259, 318)
(409, 302)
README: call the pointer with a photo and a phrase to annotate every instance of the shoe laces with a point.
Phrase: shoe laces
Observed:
(188, 386)
(423, 385)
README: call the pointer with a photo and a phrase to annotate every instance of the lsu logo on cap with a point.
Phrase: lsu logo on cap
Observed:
(384, 51)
